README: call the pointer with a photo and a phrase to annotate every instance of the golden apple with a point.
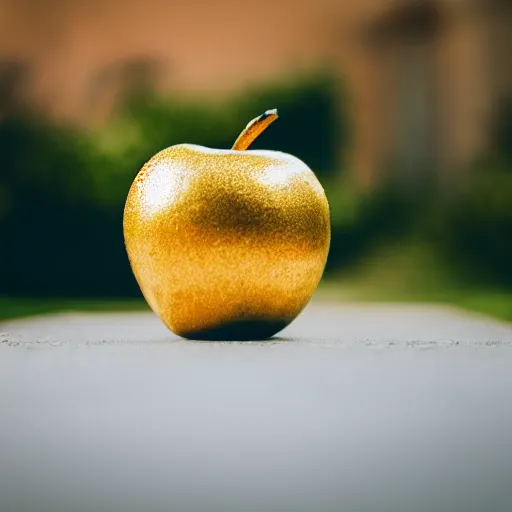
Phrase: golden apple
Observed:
(227, 244)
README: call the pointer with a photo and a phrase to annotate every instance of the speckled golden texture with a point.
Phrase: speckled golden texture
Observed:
(226, 244)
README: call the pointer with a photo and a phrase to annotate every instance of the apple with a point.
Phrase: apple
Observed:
(227, 244)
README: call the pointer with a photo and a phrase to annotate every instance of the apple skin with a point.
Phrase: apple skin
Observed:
(226, 244)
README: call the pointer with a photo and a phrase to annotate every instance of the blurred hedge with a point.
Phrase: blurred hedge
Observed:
(472, 225)
(62, 190)
(57, 237)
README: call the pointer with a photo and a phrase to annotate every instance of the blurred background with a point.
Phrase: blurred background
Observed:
(403, 108)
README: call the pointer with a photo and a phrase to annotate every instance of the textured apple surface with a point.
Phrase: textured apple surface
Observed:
(226, 244)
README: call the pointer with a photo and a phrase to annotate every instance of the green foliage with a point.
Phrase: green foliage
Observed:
(23, 307)
(473, 226)
(311, 125)
(362, 220)
(62, 190)
(55, 237)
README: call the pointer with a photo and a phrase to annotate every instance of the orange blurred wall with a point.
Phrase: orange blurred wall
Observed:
(424, 77)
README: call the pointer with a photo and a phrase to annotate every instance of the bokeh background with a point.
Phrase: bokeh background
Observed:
(403, 108)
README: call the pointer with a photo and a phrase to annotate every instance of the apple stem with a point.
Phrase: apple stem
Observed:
(254, 129)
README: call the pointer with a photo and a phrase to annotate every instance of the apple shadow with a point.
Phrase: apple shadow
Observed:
(243, 331)
(266, 341)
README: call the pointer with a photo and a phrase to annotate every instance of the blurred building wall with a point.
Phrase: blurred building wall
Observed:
(80, 51)
(425, 77)
(430, 79)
